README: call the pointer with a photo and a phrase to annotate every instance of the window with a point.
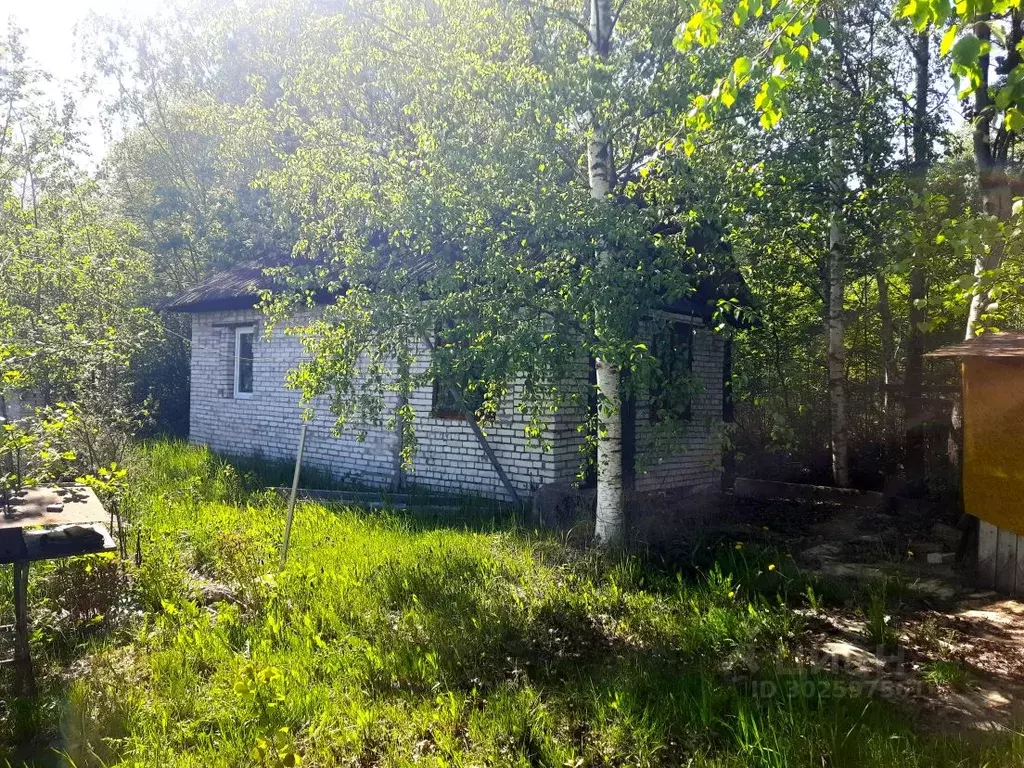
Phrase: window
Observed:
(453, 398)
(452, 402)
(244, 338)
(671, 389)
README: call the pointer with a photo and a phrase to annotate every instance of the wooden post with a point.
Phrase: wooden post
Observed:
(1006, 562)
(485, 446)
(988, 541)
(291, 498)
(25, 679)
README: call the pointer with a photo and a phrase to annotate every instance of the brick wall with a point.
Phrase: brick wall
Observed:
(686, 456)
(448, 456)
(667, 456)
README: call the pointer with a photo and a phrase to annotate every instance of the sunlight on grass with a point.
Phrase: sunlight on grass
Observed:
(390, 641)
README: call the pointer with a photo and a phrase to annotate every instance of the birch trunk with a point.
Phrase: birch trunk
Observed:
(914, 375)
(609, 529)
(888, 347)
(837, 355)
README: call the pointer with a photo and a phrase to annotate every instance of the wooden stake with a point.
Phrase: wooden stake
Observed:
(291, 498)
(25, 679)
(478, 433)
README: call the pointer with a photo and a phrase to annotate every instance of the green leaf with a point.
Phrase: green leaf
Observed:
(966, 51)
(728, 95)
(742, 66)
(948, 39)
(761, 100)
(1014, 120)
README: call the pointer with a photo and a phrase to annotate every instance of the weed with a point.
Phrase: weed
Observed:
(880, 627)
(944, 672)
(393, 639)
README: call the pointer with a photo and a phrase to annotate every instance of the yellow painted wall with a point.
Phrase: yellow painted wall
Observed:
(993, 472)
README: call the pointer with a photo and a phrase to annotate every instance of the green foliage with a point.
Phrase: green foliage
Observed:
(387, 640)
(33, 448)
(963, 43)
(787, 29)
(944, 672)
(70, 287)
(880, 629)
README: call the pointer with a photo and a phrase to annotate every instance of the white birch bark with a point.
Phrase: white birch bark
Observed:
(888, 347)
(609, 529)
(913, 376)
(837, 355)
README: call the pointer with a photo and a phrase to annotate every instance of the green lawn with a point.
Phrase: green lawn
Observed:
(394, 640)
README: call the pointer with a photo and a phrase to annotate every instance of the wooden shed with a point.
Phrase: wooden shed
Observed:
(992, 376)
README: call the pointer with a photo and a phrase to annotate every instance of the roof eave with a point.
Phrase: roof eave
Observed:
(218, 304)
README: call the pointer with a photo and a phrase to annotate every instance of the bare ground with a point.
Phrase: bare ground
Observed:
(955, 656)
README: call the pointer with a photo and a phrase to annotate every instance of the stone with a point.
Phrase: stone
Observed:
(212, 592)
(922, 546)
(947, 534)
(941, 558)
(828, 551)
(560, 506)
(887, 537)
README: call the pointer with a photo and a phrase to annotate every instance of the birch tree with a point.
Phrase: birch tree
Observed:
(972, 36)
(610, 516)
(503, 171)
(836, 353)
(917, 316)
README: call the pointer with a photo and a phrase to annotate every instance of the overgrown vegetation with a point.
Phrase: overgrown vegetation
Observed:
(809, 148)
(392, 639)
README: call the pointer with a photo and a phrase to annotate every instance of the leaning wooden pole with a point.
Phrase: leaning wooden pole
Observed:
(291, 497)
(481, 438)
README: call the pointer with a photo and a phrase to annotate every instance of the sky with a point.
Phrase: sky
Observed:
(50, 39)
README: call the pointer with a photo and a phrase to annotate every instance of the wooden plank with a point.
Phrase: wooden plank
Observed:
(80, 505)
(749, 488)
(67, 541)
(988, 538)
(1006, 561)
(1019, 588)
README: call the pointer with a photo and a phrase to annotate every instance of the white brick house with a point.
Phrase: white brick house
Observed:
(239, 405)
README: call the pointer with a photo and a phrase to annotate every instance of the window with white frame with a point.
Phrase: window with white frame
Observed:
(244, 338)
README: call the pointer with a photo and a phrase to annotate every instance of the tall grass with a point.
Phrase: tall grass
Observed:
(389, 640)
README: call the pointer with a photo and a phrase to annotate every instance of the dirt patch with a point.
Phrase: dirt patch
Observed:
(915, 632)
(956, 668)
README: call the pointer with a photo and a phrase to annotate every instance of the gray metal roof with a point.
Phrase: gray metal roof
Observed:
(240, 288)
(1006, 344)
(235, 288)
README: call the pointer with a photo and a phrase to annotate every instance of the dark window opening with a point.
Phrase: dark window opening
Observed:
(671, 388)
(456, 400)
